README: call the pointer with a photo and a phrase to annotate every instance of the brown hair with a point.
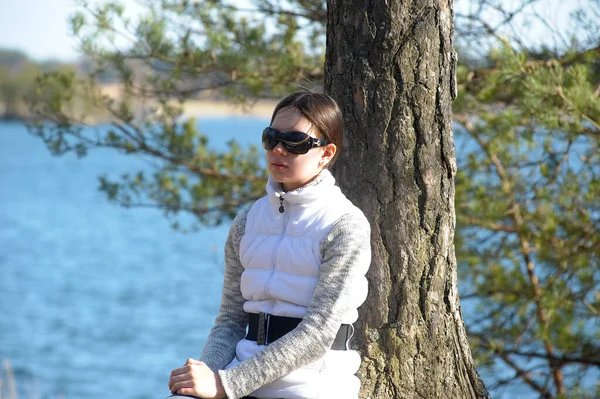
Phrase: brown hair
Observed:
(322, 112)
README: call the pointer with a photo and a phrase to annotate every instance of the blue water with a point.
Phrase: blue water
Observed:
(98, 301)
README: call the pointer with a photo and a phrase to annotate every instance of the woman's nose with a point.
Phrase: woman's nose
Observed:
(280, 149)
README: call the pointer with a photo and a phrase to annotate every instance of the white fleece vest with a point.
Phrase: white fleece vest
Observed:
(280, 253)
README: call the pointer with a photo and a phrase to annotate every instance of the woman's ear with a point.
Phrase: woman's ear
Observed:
(328, 154)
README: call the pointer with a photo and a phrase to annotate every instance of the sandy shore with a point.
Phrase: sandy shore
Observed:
(221, 109)
(207, 108)
(194, 108)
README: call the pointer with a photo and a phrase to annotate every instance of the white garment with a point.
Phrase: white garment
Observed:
(281, 256)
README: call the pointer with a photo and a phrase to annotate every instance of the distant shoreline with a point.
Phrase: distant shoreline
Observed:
(205, 107)
(260, 109)
(208, 107)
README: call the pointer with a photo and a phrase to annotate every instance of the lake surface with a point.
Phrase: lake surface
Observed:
(98, 301)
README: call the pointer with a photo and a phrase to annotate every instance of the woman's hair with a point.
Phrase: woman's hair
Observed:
(320, 110)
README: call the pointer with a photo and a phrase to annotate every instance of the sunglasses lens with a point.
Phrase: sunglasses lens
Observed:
(296, 148)
(293, 142)
(269, 143)
(268, 139)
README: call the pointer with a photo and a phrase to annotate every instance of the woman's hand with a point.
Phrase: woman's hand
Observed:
(197, 379)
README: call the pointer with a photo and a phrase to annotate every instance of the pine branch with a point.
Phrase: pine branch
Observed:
(564, 61)
(593, 359)
(573, 106)
(484, 224)
(525, 247)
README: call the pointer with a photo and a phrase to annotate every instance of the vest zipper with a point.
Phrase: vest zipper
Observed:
(274, 254)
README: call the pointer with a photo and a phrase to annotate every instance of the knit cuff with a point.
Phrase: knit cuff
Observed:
(229, 393)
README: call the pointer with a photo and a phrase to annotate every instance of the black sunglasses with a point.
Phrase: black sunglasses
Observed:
(293, 142)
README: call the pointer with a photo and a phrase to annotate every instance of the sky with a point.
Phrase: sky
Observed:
(37, 27)
(40, 28)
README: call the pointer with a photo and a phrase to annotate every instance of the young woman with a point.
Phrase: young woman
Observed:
(294, 274)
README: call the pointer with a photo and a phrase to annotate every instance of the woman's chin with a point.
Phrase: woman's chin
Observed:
(279, 175)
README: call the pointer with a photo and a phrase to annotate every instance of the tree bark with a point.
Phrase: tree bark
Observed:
(390, 65)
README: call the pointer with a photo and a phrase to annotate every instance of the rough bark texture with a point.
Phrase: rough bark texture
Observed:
(390, 65)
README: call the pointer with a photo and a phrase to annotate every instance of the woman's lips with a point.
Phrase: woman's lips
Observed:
(278, 166)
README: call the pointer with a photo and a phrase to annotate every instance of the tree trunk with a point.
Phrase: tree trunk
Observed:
(390, 66)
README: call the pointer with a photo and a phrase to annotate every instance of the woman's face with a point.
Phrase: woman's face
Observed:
(293, 170)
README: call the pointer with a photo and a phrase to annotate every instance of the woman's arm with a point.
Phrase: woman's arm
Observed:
(230, 324)
(346, 257)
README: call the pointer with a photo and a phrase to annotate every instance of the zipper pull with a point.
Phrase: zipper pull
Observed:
(281, 208)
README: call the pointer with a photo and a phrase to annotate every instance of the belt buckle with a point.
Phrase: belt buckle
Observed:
(262, 333)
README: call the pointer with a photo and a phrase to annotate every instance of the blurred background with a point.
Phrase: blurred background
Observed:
(129, 138)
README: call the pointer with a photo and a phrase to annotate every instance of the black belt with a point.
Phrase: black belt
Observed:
(265, 328)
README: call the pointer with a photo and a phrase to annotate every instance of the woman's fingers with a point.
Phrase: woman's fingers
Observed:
(197, 379)
(178, 378)
(180, 373)
(178, 386)
(181, 370)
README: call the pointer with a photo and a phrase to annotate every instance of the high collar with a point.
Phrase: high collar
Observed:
(307, 193)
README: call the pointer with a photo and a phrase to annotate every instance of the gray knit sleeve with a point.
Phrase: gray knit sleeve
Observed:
(346, 253)
(230, 324)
